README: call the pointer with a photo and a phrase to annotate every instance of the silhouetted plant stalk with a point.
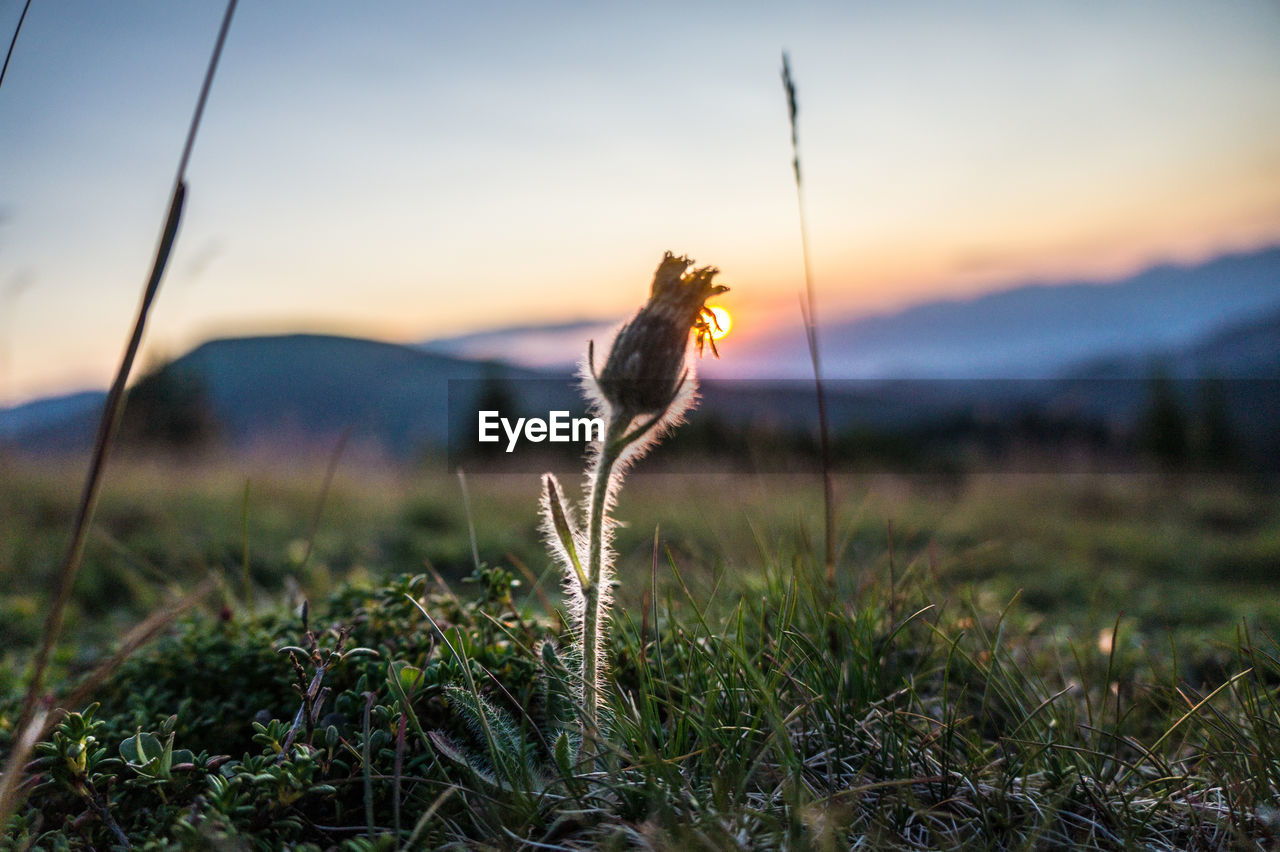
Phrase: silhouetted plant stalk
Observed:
(4, 69)
(645, 387)
(34, 717)
(811, 336)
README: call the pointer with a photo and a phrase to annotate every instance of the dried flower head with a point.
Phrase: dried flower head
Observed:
(646, 366)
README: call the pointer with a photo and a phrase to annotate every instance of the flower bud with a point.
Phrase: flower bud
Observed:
(647, 362)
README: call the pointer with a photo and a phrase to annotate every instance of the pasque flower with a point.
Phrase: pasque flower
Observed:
(647, 364)
(646, 384)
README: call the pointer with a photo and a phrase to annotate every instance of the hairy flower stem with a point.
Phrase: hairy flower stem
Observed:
(646, 384)
(610, 451)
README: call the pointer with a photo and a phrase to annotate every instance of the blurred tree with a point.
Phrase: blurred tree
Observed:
(1215, 441)
(169, 408)
(494, 393)
(1162, 433)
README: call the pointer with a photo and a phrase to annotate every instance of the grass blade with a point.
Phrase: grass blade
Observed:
(108, 427)
(808, 311)
(13, 41)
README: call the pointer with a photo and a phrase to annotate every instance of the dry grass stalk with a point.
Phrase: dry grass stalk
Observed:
(811, 336)
(108, 427)
(13, 41)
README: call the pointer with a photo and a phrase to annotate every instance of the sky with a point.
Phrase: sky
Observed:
(407, 170)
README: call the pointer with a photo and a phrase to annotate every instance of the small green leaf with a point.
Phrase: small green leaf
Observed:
(563, 529)
(145, 754)
(563, 752)
(447, 747)
(408, 677)
(457, 644)
(396, 679)
(558, 694)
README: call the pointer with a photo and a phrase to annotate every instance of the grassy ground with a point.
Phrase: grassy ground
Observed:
(1188, 557)
(1127, 696)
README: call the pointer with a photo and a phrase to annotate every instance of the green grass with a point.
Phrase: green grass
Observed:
(751, 710)
(1185, 557)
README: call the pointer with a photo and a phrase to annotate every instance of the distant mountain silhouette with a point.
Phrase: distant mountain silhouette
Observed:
(296, 392)
(1249, 349)
(1035, 331)
(555, 346)
(56, 424)
(1085, 351)
(1029, 331)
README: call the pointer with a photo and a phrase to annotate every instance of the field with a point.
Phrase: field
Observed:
(1008, 661)
(237, 641)
(1183, 555)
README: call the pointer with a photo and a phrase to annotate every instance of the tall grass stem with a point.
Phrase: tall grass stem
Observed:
(246, 578)
(331, 468)
(808, 311)
(108, 427)
(471, 524)
(13, 41)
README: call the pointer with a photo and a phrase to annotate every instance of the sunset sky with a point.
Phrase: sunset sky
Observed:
(407, 169)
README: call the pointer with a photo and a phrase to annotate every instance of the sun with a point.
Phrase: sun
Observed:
(721, 323)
